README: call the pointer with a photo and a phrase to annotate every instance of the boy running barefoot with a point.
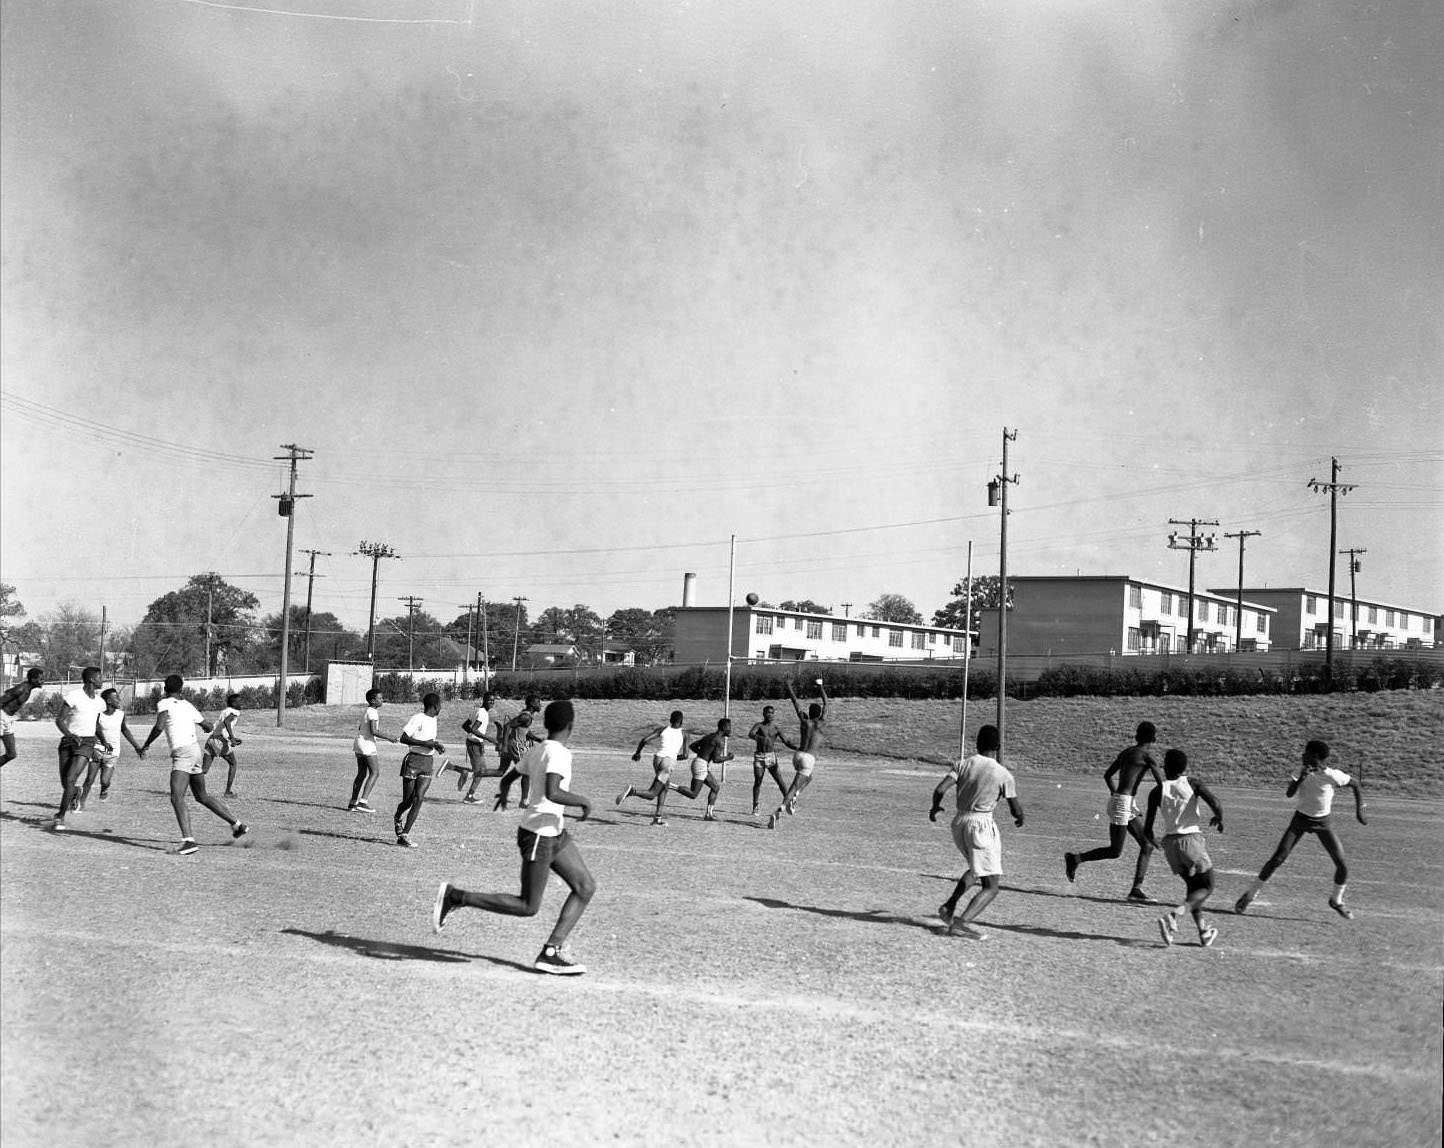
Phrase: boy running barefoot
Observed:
(1123, 778)
(707, 752)
(110, 727)
(12, 701)
(1314, 786)
(368, 765)
(672, 748)
(981, 780)
(1177, 801)
(418, 766)
(545, 846)
(765, 735)
(222, 742)
(804, 757)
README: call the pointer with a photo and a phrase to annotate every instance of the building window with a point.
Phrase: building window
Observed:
(957, 645)
(933, 638)
(894, 637)
(861, 631)
(814, 630)
(839, 631)
(1165, 602)
(877, 631)
(1338, 609)
(1388, 617)
(764, 623)
(1373, 615)
(1311, 604)
(919, 640)
(1135, 638)
(1135, 595)
(1261, 624)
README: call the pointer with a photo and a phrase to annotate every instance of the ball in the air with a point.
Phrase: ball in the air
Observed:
(752, 599)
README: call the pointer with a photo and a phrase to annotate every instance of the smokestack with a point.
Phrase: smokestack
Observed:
(689, 590)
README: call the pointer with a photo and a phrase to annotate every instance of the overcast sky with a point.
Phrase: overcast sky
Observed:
(563, 295)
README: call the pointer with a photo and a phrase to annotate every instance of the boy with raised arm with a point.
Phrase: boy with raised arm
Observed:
(804, 757)
(980, 780)
(110, 727)
(707, 752)
(1123, 778)
(12, 701)
(1313, 785)
(418, 766)
(222, 742)
(368, 765)
(671, 749)
(765, 735)
(545, 847)
(1176, 800)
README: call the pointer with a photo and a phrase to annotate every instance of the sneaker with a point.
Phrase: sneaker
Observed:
(1139, 897)
(1167, 928)
(790, 806)
(470, 800)
(1241, 905)
(710, 816)
(186, 847)
(1070, 866)
(441, 907)
(362, 807)
(79, 808)
(400, 829)
(626, 793)
(74, 804)
(967, 932)
(350, 809)
(550, 960)
(58, 826)
(105, 793)
(662, 821)
(945, 914)
(405, 842)
(239, 830)
(231, 793)
(772, 819)
(1341, 909)
(754, 811)
(1207, 936)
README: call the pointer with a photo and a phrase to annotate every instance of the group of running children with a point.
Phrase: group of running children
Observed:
(91, 724)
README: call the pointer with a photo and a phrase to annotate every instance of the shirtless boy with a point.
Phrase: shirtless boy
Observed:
(12, 701)
(707, 752)
(804, 757)
(1123, 778)
(765, 735)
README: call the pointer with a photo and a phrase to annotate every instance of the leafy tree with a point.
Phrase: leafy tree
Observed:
(892, 608)
(171, 636)
(647, 632)
(506, 624)
(10, 607)
(985, 596)
(71, 640)
(806, 606)
(329, 639)
(403, 637)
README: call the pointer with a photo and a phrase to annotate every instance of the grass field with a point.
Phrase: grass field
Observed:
(746, 986)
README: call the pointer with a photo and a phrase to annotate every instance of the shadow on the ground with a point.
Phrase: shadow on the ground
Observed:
(386, 839)
(1124, 901)
(1070, 935)
(870, 916)
(43, 824)
(385, 950)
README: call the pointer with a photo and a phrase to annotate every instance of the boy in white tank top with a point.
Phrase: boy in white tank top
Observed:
(1176, 801)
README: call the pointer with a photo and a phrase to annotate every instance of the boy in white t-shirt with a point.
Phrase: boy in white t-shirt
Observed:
(110, 728)
(368, 766)
(178, 719)
(77, 723)
(545, 847)
(475, 728)
(419, 766)
(1176, 800)
(1314, 787)
(221, 744)
(671, 749)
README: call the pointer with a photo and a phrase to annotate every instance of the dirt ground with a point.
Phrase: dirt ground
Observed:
(746, 987)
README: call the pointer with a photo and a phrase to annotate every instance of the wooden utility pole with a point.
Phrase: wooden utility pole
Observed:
(1193, 542)
(998, 496)
(516, 630)
(1238, 621)
(1335, 488)
(287, 509)
(311, 577)
(413, 604)
(374, 551)
(1354, 567)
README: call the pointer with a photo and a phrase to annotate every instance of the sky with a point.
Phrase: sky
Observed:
(563, 297)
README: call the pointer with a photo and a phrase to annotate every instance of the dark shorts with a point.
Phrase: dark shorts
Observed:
(476, 754)
(543, 849)
(71, 747)
(507, 761)
(1303, 823)
(417, 765)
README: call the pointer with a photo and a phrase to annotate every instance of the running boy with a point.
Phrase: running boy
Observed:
(110, 727)
(765, 735)
(177, 719)
(512, 740)
(221, 744)
(1314, 786)
(368, 765)
(545, 847)
(418, 766)
(1177, 800)
(671, 749)
(476, 739)
(980, 780)
(76, 721)
(1123, 778)
(804, 757)
(12, 701)
(707, 752)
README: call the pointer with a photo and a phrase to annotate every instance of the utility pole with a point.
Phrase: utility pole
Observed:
(1335, 488)
(413, 604)
(847, 609)
(998, 496)
(1238, 622)
(1354, 567)
(1193, 543)
(374, 551)
(287, 510)
(516, 630)
(485, 650)
(209, 596)
(102, 645)
(311, 577)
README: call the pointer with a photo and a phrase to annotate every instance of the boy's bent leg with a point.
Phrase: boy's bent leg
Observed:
(1145, 852)
(567, 863)
(179, 782)
(1117, 835)
(418, 796)
(231, 775)
(981, 900)
(533, 887)
(214, 804)
(1280, 855)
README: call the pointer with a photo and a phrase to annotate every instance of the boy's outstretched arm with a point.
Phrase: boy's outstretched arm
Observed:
(942, 787)
(1016, 808)
(822, 693)
(637, 756)
(1214, 803)
(1358, 802)
(1155, 800)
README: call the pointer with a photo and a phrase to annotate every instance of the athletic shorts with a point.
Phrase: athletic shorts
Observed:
(218, 747)
(7, 724)
(186, 759)
(1303, 823)
(534, 847)
(764, 761)
(101, 757)
(804, 763)
(1187, 854)
(662, 765)
(418, 765)
(71, 746)
(476, 754)
(1122, 809)
(977, 838)
(700, 768)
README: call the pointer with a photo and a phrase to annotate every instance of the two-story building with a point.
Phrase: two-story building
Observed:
(1113, 613)
(766, 633)
(1302, 622)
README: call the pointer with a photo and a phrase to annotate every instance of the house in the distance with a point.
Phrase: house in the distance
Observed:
(766, 633)
(1301, 621)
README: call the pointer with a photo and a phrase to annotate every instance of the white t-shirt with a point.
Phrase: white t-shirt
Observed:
(179, 720)
(83, 710)
(1315, 793)
(479, 721)
(672, 739)
(981, 781)
(109, 725)
(365, 744)
(222, 730)
(546, 818)
(422, 727)
(1178, 806)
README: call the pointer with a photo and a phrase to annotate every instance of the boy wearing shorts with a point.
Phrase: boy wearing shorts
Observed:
(76, 721)
(418, 767)
(110, 727)
(475, 728)
(980, 780)
(1314, 786)
(671, 748)
(545, 846)
(221, 744)
(368, 765)
(1176, 801)
(1123, 778)
(12, 701)
(804, 757)
(512, 741)
(765, 735)
(707, 752)
(177, 719)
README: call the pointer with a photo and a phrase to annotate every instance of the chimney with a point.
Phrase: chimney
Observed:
(689, 590)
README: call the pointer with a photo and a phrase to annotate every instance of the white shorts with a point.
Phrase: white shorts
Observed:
(7, 724)
(662, 765)
(700, 768)
(804, 763)
(1122, 809)
(363, 748)
(977, 838)
(764, 760)
(102, 758)
(186, 759)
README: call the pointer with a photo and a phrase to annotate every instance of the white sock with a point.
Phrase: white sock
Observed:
(1338, 896)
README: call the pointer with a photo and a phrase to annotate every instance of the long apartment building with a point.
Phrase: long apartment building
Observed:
(766, 633)
(1114, 613)
(1301, 621)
